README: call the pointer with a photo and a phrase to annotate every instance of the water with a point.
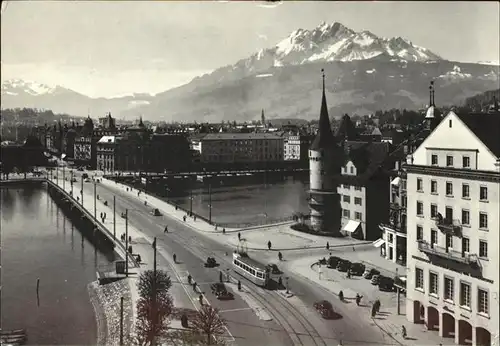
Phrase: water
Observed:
(38, 241)
(253, 204)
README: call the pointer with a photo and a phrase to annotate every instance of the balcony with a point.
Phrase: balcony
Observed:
(449, 225)
(434, 250)
(396, 207)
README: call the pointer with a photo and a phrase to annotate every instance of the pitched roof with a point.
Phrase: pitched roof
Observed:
(347, 130)
(240, 136)
(486, 126)
(324, 139)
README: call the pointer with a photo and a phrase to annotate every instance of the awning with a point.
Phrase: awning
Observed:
(396, 181)
(379, 242)
(351, 226)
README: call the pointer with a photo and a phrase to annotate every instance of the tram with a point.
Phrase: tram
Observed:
(250, 269)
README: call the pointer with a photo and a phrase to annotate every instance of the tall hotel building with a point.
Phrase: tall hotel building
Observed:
(453, 226)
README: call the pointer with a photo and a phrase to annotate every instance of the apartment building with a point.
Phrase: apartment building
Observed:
(453, 226)
(242, 147)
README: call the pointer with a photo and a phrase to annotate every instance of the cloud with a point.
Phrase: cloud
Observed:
(270, 4)
(263, 37)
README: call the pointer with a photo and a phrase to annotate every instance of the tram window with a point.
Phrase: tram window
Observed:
(252, 272)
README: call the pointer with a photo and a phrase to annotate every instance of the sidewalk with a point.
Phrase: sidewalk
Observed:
(141, 244)
(387, 319)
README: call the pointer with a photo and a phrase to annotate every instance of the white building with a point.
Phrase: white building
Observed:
(453, 226)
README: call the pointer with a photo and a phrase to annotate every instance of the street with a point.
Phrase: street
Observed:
(294, 316)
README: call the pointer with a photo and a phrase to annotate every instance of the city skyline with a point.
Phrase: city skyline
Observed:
(96, 48)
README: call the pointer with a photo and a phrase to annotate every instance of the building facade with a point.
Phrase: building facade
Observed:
(453, 224)
(106, 153)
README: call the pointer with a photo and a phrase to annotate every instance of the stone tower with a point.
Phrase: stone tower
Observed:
(325, 162)
(433, 114)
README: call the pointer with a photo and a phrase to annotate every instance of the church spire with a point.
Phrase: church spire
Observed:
(324, 139)
(433, 92)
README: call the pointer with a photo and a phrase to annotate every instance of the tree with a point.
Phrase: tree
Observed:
(208, 322)
(153, 311)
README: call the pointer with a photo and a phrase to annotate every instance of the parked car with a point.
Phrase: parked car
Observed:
(357, 269)
(325, 309)
(368, 274)
(375, 279)
(156, 212)
(85, 176)
(225, 295)
(211, 262)
(343, 266)
(385, 283)
(218, 287)
(87, 180)
(333, 261)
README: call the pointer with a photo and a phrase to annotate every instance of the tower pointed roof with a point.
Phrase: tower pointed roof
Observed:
(324, 139)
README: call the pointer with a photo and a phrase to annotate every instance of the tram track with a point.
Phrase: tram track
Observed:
(299, 329)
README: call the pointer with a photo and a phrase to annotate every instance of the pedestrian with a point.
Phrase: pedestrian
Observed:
(224, 230)
(327, 245)
(194, 217)
(239, 236)
(220, 277)
(348, 273)
(130, 249)
(184, 218)
(201, 299)
(239, 285)
(403, 332)
(341, 295)
(165, 230)
(194, 286)
(269, 245)
(129, 239)
(175, 258)
(101, 215)
(280, 256)
(280, 282)
(358, 299)
(353, 249)
(189, 278)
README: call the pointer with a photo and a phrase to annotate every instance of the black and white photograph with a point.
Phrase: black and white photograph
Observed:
(250, 173)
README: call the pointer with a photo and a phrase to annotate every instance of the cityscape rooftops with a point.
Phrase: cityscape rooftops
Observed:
(240, 136)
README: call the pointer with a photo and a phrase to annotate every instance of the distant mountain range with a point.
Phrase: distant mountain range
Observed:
(364, 72)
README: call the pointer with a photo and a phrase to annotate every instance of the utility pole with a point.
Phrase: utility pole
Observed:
(191, 202)
(153, 341)
(71, 182)
(81, 191)
(114, 218)
(210, 203)
(95, 200)
(121, 321)
(64, 178)
(57, 174)
(126, 242)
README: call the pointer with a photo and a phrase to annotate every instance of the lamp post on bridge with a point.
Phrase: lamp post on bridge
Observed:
(81, 191)
(114, 218)
(95, 200)
(64, 178)
(126, 242)
(57, 174)
(71, 182)
(210, 203)
(191, 202)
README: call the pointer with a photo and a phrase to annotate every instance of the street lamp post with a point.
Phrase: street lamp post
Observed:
(95, 200)
(57, 174)
(210, 203)
(126, 242)
(153, 341)
(399, 294)
(71, 182)
(287, 291)
(114, 218)
(64, 178)
(81, 191)
(191, 202)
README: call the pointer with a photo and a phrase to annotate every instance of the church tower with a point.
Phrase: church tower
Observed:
(433, 114)
(325, 162)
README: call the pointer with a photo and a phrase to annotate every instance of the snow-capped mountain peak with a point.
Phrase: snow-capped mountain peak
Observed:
(19, 86)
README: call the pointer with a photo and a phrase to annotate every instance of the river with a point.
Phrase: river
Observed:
(39, 241)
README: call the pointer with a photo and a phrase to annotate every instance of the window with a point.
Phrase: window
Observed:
(465, 191)
(420, 233)
(347, 186)
(352, 169)
(448, 213)
(449, 241)
(483, 193)
(465, 217)
(346, 213)
(357, 200)
(483, 220)
(420, 208)
(358, 216)
(449, 161)
(433, 283)
(391, 238)
(465, 294)
(465, 162)
(419, 278)
(357, 188)
(434, 210)
(450, 123)
(482, 301)
(419, 184)
(465, 245)
(483, 249)
(434, 186)
(434, 237)
(448, 289)
(347, 199)
(434, 159)
(449, 189)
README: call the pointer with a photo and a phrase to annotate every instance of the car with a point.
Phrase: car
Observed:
(225, 295)
(85, 176)
(218, 287)
(375, 279)
(37, 173)
(80, 169)
(87, 180)
(325, 309)
(357, 269)
(368, 274)
(273, 268)
(211, 263)
(333, 261)
(73, 180)
(156, 212)
(385, 283)
(343, 266)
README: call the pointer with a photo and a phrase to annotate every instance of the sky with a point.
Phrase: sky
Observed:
(105, 49)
